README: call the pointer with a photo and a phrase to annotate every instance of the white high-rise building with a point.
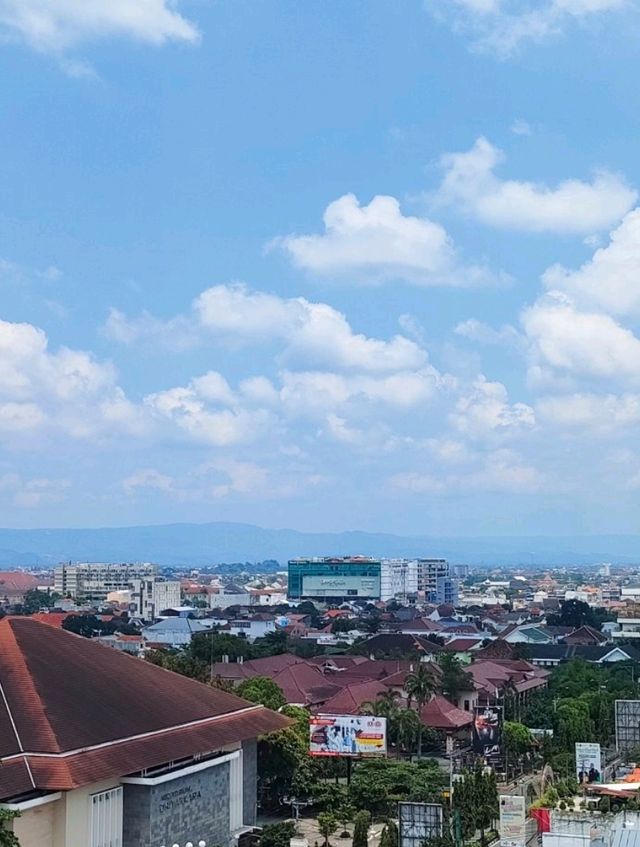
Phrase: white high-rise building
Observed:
(152, 596)
(90, 582)
(434, 579)
(398, 578)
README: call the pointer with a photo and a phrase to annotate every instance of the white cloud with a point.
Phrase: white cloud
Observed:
(482, 333)
(309, 333)
(587, 344)
(498, 471)
(176, 334)
(377, 242)
(310, 392)
(204, 417)
(594, 412)
(610, 280)
(32, 493)
(521, 127)
(500, 27)
(486, 410)
(147, 478)
(55, 26)
(571, 207)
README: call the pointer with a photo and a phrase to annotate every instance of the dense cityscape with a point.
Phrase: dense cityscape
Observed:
(408, 700)
(319, 423)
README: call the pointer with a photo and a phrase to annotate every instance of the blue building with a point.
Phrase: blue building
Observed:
(331, 580)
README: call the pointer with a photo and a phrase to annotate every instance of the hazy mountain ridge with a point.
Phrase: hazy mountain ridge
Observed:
(202, 544)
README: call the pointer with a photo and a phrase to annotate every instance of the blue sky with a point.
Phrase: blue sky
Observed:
(324, 265)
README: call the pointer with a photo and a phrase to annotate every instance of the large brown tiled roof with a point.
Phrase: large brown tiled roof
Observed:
(62, 693)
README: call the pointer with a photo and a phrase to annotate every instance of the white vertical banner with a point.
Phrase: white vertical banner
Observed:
(588, 763)
(512, 821)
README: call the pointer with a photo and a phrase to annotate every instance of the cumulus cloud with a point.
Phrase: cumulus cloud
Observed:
(610, 280)
(376, 243)
(571, 207)
(56, 27)
(497, 471)
(500, 27)
(581, 343)
(482, 333)
(486, 409)
(308, 333)
(208, 411)
(32, 493)
(594, 412)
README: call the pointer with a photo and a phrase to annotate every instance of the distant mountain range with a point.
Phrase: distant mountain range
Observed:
(211, 543)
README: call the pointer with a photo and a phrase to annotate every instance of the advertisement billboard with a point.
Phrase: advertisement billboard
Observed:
(341, 586)
(512, 821)
(419, 822)
(348, 735)
(627, 725)
(588, 763)
(487, 731)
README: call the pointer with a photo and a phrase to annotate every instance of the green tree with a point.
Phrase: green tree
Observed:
(277, 834)
(210, 647)
(517, 740)
(408, 729)
(179, 661)
(455, 680)
(7, 837)
(361, 824)
(261, 689)
(327, 825)
(389, 835)
(420, 686)
(35, 600)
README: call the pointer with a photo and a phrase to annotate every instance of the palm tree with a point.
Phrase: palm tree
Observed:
(420, 686)
(385, 706)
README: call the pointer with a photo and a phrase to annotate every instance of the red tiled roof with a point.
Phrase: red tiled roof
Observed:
(349, 700)
(64, 692)
(51, 618)
(441, 714)
(17, 582)
(462, 644)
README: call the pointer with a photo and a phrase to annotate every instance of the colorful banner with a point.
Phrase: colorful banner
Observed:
(487, 731)
(348, 735)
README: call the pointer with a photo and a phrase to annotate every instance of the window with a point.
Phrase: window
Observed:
(466, 706)
(106, 818)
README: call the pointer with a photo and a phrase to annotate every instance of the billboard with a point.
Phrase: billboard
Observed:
(588, 763)
(627, 725)
(348, 735)
(340, 586)
(512, 821)
(487, 731)
(419, 822)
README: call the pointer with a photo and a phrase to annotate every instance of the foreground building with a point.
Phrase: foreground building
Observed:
(100, 749)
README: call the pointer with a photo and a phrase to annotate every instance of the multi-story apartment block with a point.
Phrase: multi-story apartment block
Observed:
(398, 578)
(434, 579)
(152, 596)
(90, 582)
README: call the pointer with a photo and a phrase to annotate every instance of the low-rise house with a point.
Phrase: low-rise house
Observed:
(174, 631)
(551, 655)
(253, 626)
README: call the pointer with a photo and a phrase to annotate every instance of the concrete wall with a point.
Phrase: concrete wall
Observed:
(249, 781)
(34, 827)
(72, 814)
(188, 808)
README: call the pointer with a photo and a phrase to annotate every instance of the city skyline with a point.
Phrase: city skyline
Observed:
(322, 266)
